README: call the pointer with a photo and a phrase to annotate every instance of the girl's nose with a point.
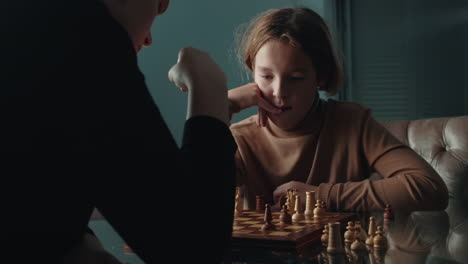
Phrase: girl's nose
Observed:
(279, 91)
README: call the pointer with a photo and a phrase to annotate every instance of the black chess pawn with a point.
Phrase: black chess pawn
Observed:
(268, 219)
(388, 215)
(259, 204)
(285, 217)
(282, 200)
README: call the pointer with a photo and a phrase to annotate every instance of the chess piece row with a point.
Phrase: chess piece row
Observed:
(297, 212)
(353, 237)
(285, 217)
(293, 205)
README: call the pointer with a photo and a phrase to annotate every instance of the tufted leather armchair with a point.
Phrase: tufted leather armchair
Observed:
(443, 142)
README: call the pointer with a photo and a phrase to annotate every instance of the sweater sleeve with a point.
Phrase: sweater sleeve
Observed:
(409, 183)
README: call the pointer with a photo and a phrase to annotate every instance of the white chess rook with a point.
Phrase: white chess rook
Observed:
(310, 201)
(335, 245)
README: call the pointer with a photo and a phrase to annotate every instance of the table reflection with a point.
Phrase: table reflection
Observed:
(412, 237)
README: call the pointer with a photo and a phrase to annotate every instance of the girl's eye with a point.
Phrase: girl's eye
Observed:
(266, 76)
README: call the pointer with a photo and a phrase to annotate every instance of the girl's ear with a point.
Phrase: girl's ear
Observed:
(321, 78)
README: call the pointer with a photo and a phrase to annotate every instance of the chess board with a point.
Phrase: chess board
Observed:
(247, 231)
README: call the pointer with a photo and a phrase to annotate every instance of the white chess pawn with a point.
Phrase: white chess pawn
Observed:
(318, 210)
(349, 236)
(371, 232)
(379, 240)
(298, 215)
(324, 237)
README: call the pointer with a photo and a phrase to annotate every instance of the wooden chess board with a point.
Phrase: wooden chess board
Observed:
(247, 231)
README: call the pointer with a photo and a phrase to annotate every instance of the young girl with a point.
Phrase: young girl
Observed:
(300, 141)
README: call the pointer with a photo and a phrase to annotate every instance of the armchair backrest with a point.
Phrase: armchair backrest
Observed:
(442, 142)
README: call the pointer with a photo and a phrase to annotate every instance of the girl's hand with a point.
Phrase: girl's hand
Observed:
(301, 187)
(196, 70)
(247, 96)
(197, 73)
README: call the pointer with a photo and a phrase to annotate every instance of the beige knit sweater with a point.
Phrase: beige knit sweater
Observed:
(336, 148)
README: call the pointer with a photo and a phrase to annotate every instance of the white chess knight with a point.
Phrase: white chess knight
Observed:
(238, 206)
(291, 200)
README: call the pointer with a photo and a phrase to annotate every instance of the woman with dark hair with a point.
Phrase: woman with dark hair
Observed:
(80, 131)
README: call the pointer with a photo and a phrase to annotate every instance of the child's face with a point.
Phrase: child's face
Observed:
(287, 78)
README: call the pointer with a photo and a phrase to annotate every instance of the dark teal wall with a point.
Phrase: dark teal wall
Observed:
(408, 59)
(206, 25)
